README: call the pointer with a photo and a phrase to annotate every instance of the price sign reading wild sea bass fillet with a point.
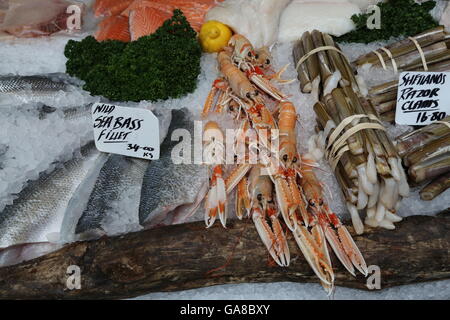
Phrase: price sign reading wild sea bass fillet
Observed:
(127, 131)
(423, 97)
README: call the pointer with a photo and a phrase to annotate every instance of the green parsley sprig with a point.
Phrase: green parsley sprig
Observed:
(398, 18)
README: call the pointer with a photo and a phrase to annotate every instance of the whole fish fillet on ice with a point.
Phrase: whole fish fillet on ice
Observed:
(118, 176)
(329, 16)
(168, 186)
(36, 215)
(25, 18)
(257, 20)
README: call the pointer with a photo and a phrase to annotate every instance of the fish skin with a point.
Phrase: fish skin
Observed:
(168, 186)
(38, 211)
(117, 175)
(67, 114)
(35, 84)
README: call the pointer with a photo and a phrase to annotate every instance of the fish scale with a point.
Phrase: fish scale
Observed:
(168, 186)
(13, 84)
(39, 209)
(118, 174)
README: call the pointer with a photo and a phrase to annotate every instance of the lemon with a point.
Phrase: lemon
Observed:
(214, 36)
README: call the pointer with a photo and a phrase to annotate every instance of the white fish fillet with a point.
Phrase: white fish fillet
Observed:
(332, 17)
(257, 20)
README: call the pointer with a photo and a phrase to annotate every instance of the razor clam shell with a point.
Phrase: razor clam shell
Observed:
(430, 168)
(434, 148)
(404, 46)
(435, 188)
(312, 62)
(303, 76)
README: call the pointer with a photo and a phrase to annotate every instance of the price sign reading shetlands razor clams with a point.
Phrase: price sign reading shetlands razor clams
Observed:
(127, 131)
(423, 97)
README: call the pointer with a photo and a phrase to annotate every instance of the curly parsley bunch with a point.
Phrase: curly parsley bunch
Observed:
(162, 65)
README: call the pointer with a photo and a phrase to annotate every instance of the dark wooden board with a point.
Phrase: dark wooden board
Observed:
(185, 256)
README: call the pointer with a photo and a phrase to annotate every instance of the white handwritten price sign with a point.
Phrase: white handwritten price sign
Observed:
(127, 131)
(423, 97)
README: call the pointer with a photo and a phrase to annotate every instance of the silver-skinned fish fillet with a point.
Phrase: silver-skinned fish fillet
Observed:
(117, 177)
(34, 84)
(36, 215)
(168, 186)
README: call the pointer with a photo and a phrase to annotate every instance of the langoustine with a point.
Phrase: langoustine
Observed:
(288, 184)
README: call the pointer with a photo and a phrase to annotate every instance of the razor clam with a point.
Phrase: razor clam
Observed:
(336, 60)
(388, 116)
(435, 187)
(354, 82)
(442, 66)
(385, 97)
(386, 107)
(303, 75)
(384, 88)
(430, 168)
(326, 69)
(391, 153)
(432, 149)
(362, 106)
(433, 63)
(347, 186)
(355, 142)
(312, 63)
(411, 141)
(404, 46)
(404, 62)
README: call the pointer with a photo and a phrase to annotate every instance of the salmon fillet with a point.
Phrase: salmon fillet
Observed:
(137, 4)
(146, 20)
(110, 7)
(132, 19)
(193, 10)
(113, 28)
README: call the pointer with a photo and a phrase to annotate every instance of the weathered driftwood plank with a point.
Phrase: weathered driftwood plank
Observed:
(185, 256)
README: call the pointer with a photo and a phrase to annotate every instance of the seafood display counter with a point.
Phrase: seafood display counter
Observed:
(146, 132)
